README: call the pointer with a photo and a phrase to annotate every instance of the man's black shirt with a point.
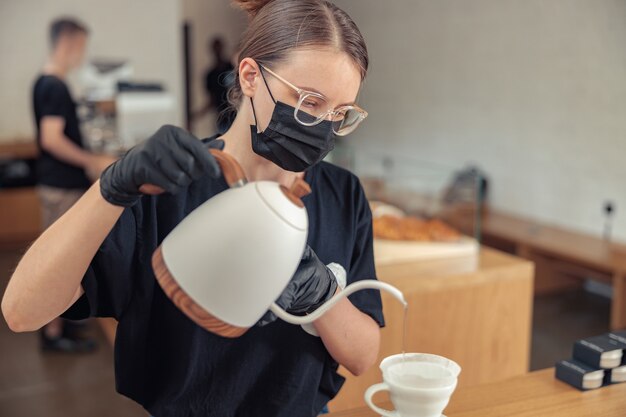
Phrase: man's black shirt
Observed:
(51, 97)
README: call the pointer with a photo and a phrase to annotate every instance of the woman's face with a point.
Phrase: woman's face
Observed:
(328, 72)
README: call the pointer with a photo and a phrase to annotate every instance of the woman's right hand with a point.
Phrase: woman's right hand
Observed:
(169, 160)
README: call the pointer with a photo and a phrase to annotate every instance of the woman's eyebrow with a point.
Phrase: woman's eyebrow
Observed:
(313, 90)
(350, 103)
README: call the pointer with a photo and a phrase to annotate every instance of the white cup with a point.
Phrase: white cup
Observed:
(420, 385)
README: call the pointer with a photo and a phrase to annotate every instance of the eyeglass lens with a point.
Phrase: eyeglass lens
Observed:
(312, 109)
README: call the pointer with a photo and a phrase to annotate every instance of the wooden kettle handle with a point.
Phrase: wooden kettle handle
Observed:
(233, 173)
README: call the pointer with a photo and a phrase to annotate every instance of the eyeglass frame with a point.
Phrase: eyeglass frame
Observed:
(304, 93)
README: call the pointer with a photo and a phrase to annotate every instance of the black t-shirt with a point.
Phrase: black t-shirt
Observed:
(51, 97)
(171, 366)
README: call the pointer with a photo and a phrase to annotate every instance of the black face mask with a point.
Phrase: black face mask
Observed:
(289, 144)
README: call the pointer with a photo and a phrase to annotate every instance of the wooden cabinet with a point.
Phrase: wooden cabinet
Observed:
(478, 314)
(564, 258)
(20, 218)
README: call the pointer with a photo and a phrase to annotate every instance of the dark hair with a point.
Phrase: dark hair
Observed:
(279, 26)
(65, 26)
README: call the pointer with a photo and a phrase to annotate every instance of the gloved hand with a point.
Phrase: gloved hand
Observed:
(311, 286)
(169, 160)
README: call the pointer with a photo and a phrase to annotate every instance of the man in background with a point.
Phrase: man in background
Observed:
(216, 83)
(64, 166)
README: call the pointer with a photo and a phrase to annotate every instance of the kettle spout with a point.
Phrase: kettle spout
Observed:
(367, 284)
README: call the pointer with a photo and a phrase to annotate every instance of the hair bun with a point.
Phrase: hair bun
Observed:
(252, 7)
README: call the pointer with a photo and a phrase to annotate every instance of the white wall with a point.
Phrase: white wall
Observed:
(533, 91)
(147, 32)
(209, 19)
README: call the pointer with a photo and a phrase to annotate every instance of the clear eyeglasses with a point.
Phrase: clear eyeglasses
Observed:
(312, 108)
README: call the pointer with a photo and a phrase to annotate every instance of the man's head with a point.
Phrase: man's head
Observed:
(217, 47)
(68, 41)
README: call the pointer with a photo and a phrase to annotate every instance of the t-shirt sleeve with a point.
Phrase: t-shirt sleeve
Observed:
(54, 100)
(362, 262)
(108, 282)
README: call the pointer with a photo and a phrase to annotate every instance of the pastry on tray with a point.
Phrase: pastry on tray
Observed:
(410, 228)
(381, 209)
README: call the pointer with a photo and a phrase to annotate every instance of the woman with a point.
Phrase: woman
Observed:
(301, 66)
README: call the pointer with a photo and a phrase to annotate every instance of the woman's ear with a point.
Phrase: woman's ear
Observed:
(248, 76)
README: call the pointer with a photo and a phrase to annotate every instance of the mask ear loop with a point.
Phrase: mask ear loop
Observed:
(252, 102)
(266, 85)
(256, 123)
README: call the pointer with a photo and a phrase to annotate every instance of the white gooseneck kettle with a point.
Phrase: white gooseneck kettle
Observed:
(227, 262)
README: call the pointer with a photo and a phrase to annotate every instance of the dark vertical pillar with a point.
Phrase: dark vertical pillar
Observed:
(187, 73)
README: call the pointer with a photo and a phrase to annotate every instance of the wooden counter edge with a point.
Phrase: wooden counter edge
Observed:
(539, 390)
(18, 149)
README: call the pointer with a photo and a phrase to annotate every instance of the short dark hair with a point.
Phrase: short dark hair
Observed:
(65, 26)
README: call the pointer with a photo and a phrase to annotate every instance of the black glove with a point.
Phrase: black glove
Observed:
(169, 160)
(311, 286)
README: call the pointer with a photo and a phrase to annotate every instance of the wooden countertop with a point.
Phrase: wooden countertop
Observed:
(536, 394)
(22, 148)
(581, 248)
(449, 269)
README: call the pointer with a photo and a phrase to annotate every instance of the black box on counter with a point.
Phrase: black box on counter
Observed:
(615, 375)
(600, 351)
(620, 336)
(579, 374)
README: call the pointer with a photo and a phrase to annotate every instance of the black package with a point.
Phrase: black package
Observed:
(620, 336)
(579, 375)
(599, 351)
(615, 375)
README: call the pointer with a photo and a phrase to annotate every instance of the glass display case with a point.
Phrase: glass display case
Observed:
(418, 206)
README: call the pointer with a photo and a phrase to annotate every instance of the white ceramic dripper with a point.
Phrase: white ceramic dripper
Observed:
(419, 384)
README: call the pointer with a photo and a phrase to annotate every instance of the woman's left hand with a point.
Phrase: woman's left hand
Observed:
(351, 337)
(311, 286)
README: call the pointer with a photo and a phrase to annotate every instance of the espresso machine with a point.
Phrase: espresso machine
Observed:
(117, 111)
